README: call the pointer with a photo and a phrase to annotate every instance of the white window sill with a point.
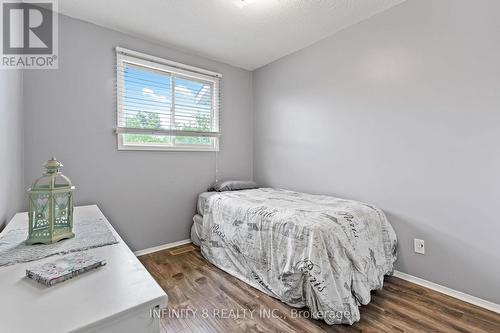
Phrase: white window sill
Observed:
(166, 148)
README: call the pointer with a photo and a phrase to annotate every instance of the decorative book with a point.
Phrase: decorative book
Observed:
(64, 268)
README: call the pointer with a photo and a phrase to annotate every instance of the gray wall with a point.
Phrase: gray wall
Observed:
(402, 111)
(11, 145)
(149, 197)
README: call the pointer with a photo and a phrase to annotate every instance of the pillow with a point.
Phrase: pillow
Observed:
(232, 185)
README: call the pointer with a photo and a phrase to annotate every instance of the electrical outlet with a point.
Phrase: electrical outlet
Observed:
(419, 245)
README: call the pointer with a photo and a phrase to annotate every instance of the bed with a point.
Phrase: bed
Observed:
(313, 251)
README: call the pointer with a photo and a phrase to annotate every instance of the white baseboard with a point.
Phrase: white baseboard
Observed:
(450, 292)
(161, 247)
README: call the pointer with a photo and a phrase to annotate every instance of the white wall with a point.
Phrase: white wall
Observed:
(149, 197)
(12, 195)
(402, 111)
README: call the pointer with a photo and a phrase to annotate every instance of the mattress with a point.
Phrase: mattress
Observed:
(198, 218)
(202, 199)
(196, 229)
(317, 251)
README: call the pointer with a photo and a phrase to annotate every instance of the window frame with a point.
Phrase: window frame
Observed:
(173, 69)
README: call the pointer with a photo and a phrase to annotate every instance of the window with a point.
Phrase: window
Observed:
(163, 105)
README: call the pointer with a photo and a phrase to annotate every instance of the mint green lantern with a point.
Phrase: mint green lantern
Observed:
(50, 206)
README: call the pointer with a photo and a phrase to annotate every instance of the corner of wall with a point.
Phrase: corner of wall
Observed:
(22, 177)
(252, 108)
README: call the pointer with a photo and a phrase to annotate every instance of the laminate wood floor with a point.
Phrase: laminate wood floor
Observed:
(202, 298)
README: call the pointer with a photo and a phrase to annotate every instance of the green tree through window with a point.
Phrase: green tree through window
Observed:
(144, 119)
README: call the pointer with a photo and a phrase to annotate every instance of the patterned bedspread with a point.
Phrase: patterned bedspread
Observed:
(306, 250)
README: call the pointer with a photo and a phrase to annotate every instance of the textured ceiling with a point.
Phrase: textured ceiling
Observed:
(247, 34)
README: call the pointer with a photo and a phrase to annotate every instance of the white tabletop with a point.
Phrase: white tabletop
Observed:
(122, 286)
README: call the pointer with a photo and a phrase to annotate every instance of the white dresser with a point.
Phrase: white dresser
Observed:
(115, 298)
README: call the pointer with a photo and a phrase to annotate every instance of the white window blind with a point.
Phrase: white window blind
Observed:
(163, 105)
